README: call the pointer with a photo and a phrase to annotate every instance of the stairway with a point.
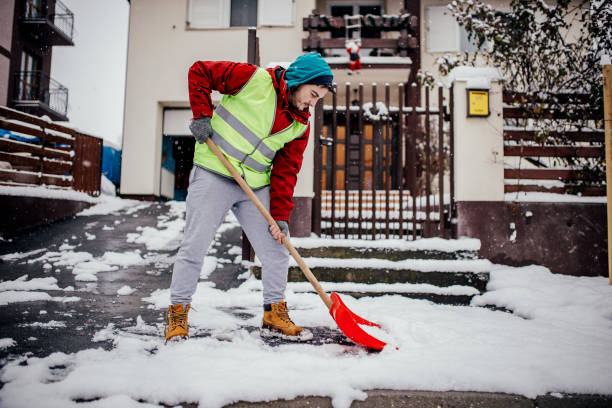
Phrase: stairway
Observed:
(442, 271)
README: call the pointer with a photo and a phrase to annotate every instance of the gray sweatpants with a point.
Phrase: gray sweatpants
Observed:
(209, 197)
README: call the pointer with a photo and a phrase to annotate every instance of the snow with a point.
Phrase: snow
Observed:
(552, 197)
(478, 83)
(111, 205)
(560, 327)
(7, 342)
(22, 283)
(470, 74)
(556, 338)
(455, 290)
(48, 192)
(208, 267)
(433, 244)
(16, 296)
(107, 187)
(125, 290)
(421, 265)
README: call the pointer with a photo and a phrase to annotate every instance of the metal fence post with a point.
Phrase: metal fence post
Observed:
(607, 80)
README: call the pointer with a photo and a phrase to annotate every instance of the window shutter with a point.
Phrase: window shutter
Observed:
(276, 12)
(207, 14)
(442, 30)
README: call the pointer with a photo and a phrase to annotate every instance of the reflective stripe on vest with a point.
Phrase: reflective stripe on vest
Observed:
(241, 128)
(251, 137)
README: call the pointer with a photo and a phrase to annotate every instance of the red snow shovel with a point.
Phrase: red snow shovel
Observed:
(347, 321)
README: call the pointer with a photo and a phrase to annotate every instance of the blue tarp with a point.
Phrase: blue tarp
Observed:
(7, 133)
(111, 164)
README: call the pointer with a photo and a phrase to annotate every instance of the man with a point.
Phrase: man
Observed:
(262, 127)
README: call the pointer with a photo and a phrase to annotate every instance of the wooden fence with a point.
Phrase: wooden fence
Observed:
(384, 177)
(558, 155)
(45, 153)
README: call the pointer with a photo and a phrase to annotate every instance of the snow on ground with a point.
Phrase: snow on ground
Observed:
(24, 290)
(125, 290)
(557, 340)
(167, 235)
(538, 351)
(437, 244)
(6, 342)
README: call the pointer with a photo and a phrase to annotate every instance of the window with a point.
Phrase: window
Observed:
(445, 35)
(442, 30)
(243, 13)
(33, 9)
(29, 77)
(240, 13)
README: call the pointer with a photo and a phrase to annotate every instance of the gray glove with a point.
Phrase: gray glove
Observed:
(284, 227)
(201, 129)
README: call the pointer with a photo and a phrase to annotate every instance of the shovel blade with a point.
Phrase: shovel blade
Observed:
(349, 323)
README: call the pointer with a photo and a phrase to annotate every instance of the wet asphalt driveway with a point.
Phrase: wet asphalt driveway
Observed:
(36, 326)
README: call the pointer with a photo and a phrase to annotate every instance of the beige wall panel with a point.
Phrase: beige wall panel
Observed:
(4, 78)
(7, 9)
(160, 51)
(428, 59)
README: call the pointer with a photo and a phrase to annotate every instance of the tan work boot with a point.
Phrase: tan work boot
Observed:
(277, 323)
(176, 321)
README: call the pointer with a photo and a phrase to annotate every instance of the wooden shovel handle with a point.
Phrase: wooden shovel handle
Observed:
(264, 211)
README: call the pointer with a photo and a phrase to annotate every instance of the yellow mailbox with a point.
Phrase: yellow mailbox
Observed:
(478, 102)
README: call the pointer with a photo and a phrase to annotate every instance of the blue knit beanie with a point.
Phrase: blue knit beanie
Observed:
(309, 68)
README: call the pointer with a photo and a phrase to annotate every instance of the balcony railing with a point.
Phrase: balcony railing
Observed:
(37, 86)
(63, 18)
(55, 27)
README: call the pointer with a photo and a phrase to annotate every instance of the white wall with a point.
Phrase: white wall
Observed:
(479, 142)
(7, 9)
(160, 51)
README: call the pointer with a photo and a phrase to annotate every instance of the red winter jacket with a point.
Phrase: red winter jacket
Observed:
(228, 78)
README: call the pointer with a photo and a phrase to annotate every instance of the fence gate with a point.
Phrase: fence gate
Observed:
(383, 169)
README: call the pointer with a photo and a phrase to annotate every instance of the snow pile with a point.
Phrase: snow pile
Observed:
(7, 342)
(107, 187)
(125, 290)
(535, 293)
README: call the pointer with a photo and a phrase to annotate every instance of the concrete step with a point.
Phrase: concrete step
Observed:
(388, 249)
(452, 295)
(442, 273)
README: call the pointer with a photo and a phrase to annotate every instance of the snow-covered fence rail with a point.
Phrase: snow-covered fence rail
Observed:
(34, 151)
(385, 176)
(552, 144)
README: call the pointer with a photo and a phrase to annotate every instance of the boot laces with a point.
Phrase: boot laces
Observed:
(283, 313)
(178, 318)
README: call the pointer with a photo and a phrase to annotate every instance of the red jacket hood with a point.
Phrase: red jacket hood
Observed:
(282, 91)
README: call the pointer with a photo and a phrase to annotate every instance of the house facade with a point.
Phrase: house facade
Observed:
(29, 29)
(165, 38)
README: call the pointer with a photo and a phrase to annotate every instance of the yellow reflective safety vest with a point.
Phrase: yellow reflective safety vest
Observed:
(241, 129)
